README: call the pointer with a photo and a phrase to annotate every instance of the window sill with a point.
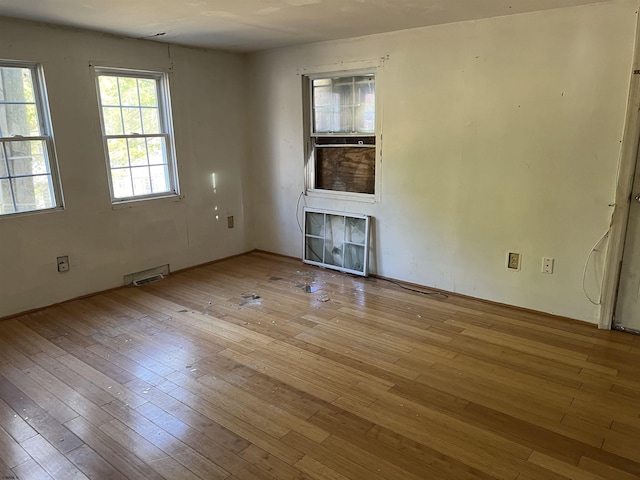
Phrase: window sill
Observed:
(342, 196)
(32, 213)
(143, 202)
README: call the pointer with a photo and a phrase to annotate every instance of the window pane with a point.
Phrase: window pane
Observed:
(354, 257)
(112, 121)
(32, 193)
(121, 183)
(344, 104)
(313, 249)
(315, 224)
(155, 147)
(26, 158)
(128, 91)
(333, 239)
(6, 197)
(138, 152)
(118, 154)
(141, 181)
(148, 94)
(132, 121)
(343, 87)
(150, 120)
(324, 109)
(16, 85)
(365, 110)
(159, 179)
(109, 91)
(19, 119)
(356, 230)
(3, 162)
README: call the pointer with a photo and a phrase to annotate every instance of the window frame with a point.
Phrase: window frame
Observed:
(308, 76)
(46, 136)
(165, 117)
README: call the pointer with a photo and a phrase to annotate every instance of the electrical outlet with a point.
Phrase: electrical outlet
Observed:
(513, 261)
(230, 222)
(547, 264)
(63, 264)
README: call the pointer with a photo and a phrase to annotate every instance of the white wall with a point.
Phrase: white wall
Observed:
(209, 107)
(501, 134)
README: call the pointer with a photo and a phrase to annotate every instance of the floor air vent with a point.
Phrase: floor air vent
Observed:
(151, 279)
(146, 276)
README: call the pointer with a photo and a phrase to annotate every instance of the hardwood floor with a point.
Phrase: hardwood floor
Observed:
(236, 371)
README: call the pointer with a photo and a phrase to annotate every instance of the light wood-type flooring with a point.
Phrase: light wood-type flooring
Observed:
(260, 367)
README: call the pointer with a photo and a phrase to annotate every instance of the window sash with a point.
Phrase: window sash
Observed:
(52, 187)
(343, 109)
(165, 133)
(350, 142)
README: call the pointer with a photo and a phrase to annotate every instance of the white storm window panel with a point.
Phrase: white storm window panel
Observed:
(28, 171)
(336, 240)
(137, 133)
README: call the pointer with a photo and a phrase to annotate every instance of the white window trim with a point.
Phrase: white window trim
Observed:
(343, 69)
(46, 128)
(166, 121)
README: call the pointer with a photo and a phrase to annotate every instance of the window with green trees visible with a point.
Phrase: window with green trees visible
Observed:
(137, 133)
(28, 172)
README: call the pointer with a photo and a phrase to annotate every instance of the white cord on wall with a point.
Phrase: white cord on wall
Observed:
(298, 210)
(586, 265)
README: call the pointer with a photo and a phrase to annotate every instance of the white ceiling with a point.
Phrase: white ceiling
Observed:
(249, 25)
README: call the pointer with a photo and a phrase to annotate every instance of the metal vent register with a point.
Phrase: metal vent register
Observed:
(336, 240)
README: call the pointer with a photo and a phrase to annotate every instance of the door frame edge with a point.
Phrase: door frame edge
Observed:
(624, 186)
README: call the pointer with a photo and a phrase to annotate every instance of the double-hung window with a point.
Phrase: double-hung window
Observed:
(342, 132)
(28, 171)
(137, 133)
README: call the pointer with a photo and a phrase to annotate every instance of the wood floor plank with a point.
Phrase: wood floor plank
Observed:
(31, 470)
(51, 460)
(123, 460)
(237, 370)
(40, 420)
(172, 413)
(11, 453)
(13, 423)
(164, 441)
(272, 466)
(562, 468)
(93, 465)
(605, 471)
(44, 399)
(66, 375)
